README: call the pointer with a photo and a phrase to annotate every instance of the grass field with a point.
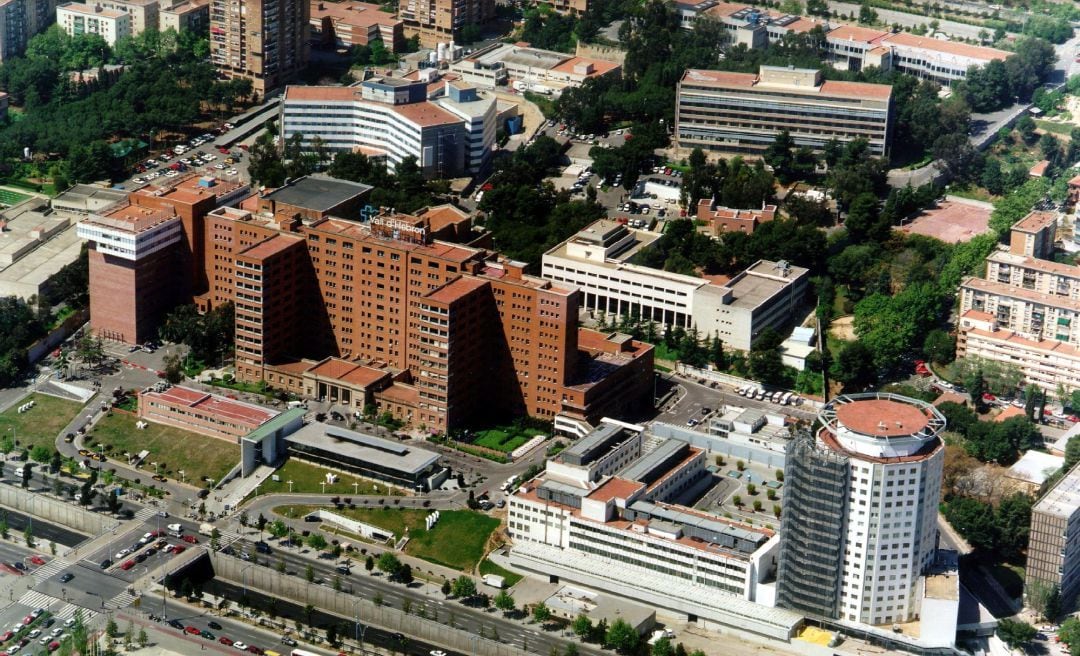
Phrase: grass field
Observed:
(456, 541)
(505, 439)
(197, 455)
(1054, 126)
(306, 478)
(40, 424)
(9, 198)
(488, 567)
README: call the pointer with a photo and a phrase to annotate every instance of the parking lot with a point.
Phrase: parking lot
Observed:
(198, 155)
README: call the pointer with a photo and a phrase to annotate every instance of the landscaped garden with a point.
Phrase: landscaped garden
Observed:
(39, 425)
(307, 478)
(505, 438)
(174, 450)
(459, 539)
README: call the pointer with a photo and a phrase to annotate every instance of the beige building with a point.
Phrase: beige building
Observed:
(440, 21)
(193, 16)
(743, 112)
(1053, 557)
(265, 41)
(78, 19)
(1026, 311)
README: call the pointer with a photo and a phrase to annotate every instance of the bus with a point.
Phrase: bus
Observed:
(303, 652)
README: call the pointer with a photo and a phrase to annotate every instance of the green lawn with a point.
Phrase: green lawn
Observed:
(457, 540)
(488, 567)
(1054, 126)
(505, 439)
(10, 198)
(175, 449)
(306, 478)
(40, 424)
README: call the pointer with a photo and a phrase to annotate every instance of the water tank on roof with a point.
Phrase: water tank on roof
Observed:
(753, 17)
(433, 57)
(442, 51)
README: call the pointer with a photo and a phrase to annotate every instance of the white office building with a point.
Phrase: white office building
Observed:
(392, 118)
(598, 261)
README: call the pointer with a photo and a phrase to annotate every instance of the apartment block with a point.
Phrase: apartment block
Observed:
(602, 514)
(20, 20)
(848, 47)
(1054, 542)
(872, 478)
(191, 16)
(265, 41)
(1026, 311)
(392, 118)
(78, 19)
(143, 14)
(744, 112)
(349, 23)
(441, 21)
(598, 261)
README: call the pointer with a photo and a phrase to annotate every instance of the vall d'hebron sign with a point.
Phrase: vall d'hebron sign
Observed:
(398, 229)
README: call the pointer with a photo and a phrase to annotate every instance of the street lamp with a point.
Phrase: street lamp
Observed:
(355, 488)
(183, 476)
(290, 487)
(323, 484)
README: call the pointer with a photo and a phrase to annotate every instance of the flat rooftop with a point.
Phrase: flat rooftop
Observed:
(1064, 498)
(236, 412)
(943, 586)
(317, 192)
(364, 448)
(93, 11)
(1035, 221)
(762, 281)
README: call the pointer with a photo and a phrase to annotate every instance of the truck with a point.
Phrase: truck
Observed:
(494, 581)
(520, 85)
(206, 528)
(542, 90)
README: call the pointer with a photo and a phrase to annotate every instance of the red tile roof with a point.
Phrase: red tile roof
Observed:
(212, 404)
(615, 488)
(948, 47)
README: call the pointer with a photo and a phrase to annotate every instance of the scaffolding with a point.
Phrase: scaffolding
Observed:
(810, 565)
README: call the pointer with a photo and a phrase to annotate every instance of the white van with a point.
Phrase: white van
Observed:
(19, 472)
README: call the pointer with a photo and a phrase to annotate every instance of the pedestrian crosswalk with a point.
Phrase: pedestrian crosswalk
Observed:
(50, 568)
(145, 514)
(35, 599)
(122, 600)
(69, 610)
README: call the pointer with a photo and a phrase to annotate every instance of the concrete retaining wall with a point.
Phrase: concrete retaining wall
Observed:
(43, 346)
(56, 511)
(271, 582)
(718, 445)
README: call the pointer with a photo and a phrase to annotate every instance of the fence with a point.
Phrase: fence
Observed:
(56, 511)
(432, 631)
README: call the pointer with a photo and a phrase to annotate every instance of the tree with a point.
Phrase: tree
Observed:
(405, 575)
(541, 613)
(143, 638)
(621, 637)
(369, 563)
(863, 222)
(464, 587)
(582, 626)
(111, 628)
(174, 369)
(280, 566)
(663, 647)
(976, 386)
(854, 366)
(939, 346)
(1069, 632)
(27, 473)
(1015, 633)
(570, 649)
(505, 602)
(316, 541)
(215, 538)
(1072, 453)
(309, 573)
(389, 564)
(1044, 598)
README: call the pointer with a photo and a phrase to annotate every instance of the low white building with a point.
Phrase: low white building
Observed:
(544, 71)
(598, 261)
(77, 19)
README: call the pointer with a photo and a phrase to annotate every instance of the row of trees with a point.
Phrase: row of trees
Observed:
(209, 336)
